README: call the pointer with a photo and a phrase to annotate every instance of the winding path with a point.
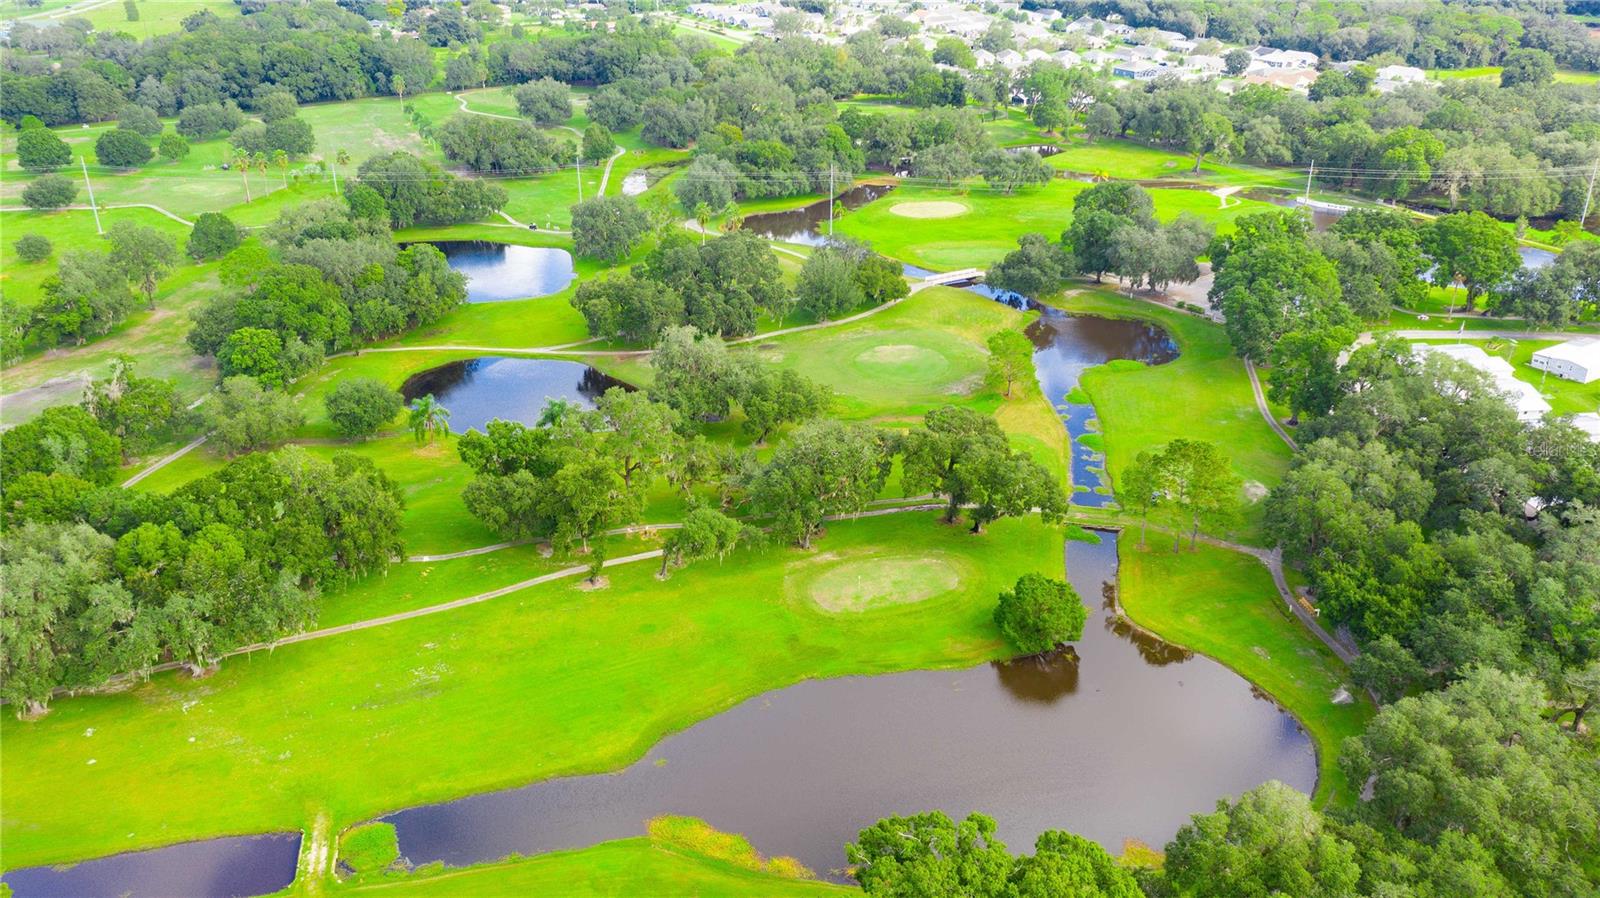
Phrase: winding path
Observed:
(1261, 404)
(85, 207)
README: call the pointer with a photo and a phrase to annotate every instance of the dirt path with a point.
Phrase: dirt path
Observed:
(605, 176)
(1261, 405)
(166, 460)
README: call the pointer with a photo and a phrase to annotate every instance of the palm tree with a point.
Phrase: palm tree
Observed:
(702, 215)
(557, 410)
(429, 418)
(241, 161)
(281, 160)
(732, 218)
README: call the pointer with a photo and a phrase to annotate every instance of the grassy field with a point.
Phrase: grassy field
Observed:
(993, 221)
(1135, 161)
(156, 17)
(1204, 394)
(1223, 604)
(619, 869)
(548, 681)
(1567, 76)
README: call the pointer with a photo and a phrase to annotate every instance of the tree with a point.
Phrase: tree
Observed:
(1212, 135)
(141, 412)
(87, 297)
(952, 50)
(607, 228)
(694, 374)
(253, 352)
(41, 150)
(397, 84)
(281, 160)
(1036, 268)
(827, 285)
(882, 280)
(709, 180)
(33, 248)
(244, 417)
(824, 468)
(585, 498)
(546, 101)
(214, 235)
(1039, 614)
(639, 433)
(928, 855)
(1527, 66)
(49, 192)
(627, 308)
(276, 106)
(1001, 483)
(357, 407)
(1269, 842)
(933, 456)
(143, 254)
(1387, 668)
(61, 440)
(597, 142)
(1010, 358)
(1440, 763)
(771, 398)
(1270, 281)
(140, 120)
(428, 419)
(706, 533)
(121, 148)
(1144, 485)
(1236, 61)
(173, 147)
(1471, 249)
(1305, 370)
(1200, 484)
(1009, 171)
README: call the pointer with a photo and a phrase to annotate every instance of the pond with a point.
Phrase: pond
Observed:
(500, 271)
(1066, 345)
(476, 391)
(1121, 737)
(216, 868)
(808, 224)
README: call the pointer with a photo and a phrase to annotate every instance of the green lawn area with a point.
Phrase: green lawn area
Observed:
(1566, 397)
(1126, 159)
(156, 17)
(992, 221)
(1223, 604)
(1569, 76)
(548, 681)
(620, 869)
(1204, 394)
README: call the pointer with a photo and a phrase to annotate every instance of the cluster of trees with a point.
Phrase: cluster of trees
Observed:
(1191, 481)
(1409, 510)
(1432, 34)
(720, 286)
(1439, 819)
(101, 581)
(965, 457)
(841, 277)
(1512, 151)
(91, 291)
(410, 191)
(1113, 231)
(500, 145)
(327, 279)
(280, 130)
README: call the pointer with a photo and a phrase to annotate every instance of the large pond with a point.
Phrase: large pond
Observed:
(476, 391)
(809, 224)
(216, 868)
(1124, 738)
(501, 271)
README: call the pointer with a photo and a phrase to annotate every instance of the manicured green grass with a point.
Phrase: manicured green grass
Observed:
(1569, 76)
(619, 869)
(1126, 159)
(372, 126)
(994, 221)
(369, 847)
(156, 17)
(1223, 604)
(548, 681)
(67, 230)
(1203, 394)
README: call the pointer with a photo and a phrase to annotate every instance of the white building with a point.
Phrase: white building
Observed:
(1284, 59)
(1392, 77)
(1589, 423)
(1577, 360)
(1523, 396)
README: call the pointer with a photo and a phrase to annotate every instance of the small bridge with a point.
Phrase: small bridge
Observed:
(946, 278)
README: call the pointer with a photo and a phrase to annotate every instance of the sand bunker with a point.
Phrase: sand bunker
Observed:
(929, 209)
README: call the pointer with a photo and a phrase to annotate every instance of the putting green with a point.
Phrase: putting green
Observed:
(869, 583)
(929, 209)
(902, 359)
(919, 361)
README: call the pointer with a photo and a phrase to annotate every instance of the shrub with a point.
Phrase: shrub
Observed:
(214, 235)
(32, 247)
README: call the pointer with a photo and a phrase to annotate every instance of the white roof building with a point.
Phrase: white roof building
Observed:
(1577, 360)
(1394, 77)
(1589, 423)
(1522, 396)
(1066, 58)
(1284, 59)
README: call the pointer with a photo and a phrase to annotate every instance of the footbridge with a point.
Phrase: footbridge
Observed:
(946, 278)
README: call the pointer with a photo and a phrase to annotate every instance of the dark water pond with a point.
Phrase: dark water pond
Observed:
(809, 224)
(476, 391)
(1066, 345)
(1125, 737)
(501, 271)
(216, 868)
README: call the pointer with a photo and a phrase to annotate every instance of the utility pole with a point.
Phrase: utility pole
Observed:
(1309, 172)
(580, 174)
(830, 199)
(1589, 194)
(96, 209)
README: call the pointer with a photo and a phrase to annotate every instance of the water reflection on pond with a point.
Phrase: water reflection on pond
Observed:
(476, 391)
(501, 271)
(1097, 740)
(808, 224)
(216, 868)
